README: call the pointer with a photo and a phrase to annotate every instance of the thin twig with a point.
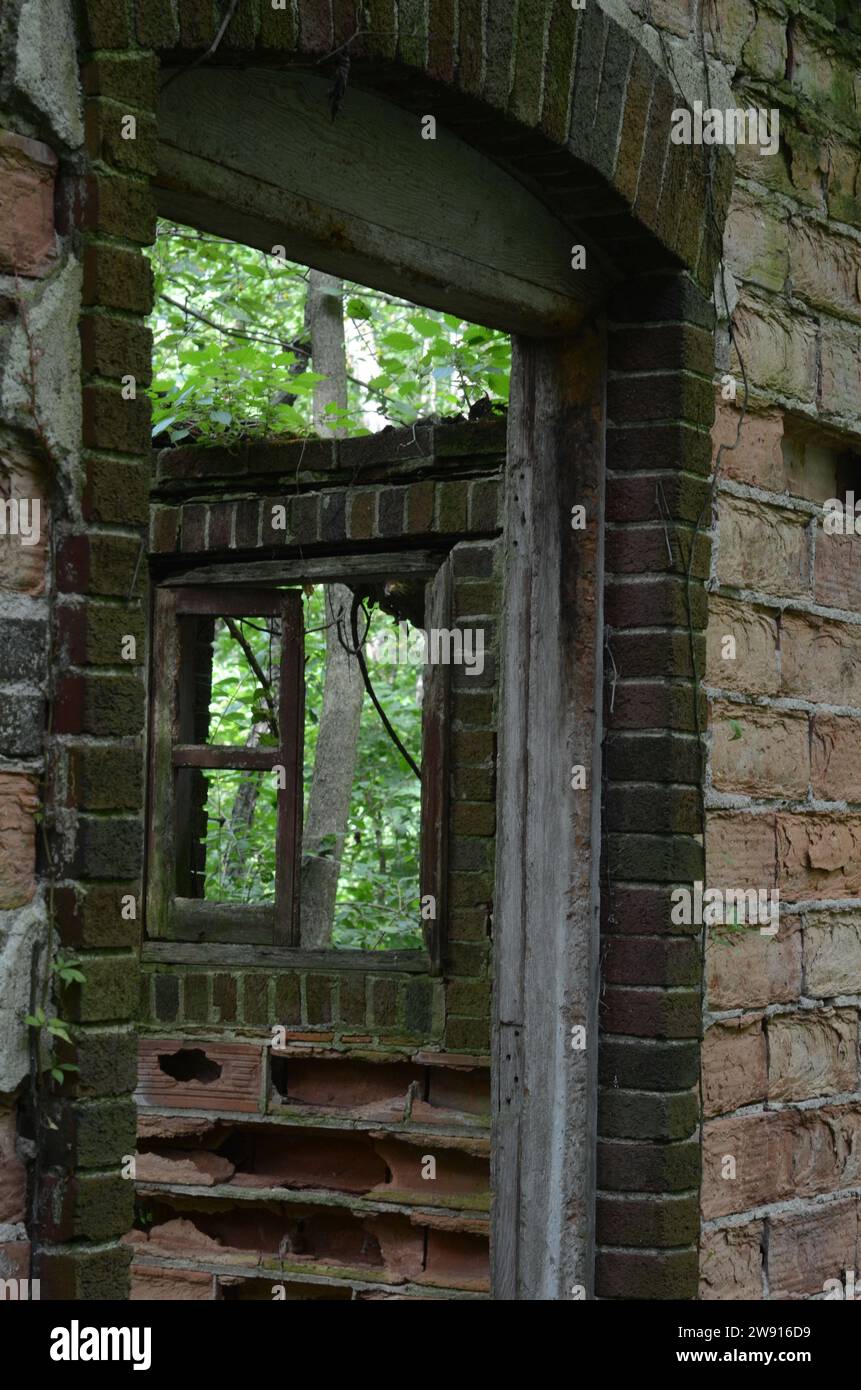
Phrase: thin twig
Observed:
(238, 636)
(265, 338)
(359, 654)
(225, 25)
(220, 328)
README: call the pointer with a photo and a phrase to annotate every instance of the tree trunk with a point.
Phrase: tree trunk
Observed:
(324, 324)
(338, 730)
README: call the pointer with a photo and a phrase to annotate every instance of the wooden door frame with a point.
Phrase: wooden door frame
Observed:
(546, 919)
(549, 836)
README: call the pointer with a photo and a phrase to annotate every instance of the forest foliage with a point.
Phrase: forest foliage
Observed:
(229, 328)
(230, 345)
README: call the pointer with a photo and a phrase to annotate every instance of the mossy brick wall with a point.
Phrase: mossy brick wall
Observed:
(584, 118)
(68, 283)
(437, 487)
(432, 487)
(781, 1081)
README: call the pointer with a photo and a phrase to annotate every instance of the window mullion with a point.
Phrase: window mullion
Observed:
(291, 719)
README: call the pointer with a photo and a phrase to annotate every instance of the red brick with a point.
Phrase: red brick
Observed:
(837, 573)
(734, 1065)
(753, 670)
(821, 660)
(819, 856)
(225, 1077)
(746, 970)
(760, 1146)
(762, 548)
(27, 173)
(19, 803)
(731, 1263)
(186, 1285)
(805, 1250)
(13, 1174)
(15, 1259)
(757, 458)
(812, 1053)
(740, 850)
(836, 757)
(184, 1166)
(760, 752)
(780, 1155)
(651, 1013)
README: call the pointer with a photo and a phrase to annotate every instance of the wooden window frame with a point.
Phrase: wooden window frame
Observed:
(188, 931)
(184, 918)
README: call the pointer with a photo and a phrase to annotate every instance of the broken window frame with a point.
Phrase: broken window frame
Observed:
(173, 748)
(188, 930)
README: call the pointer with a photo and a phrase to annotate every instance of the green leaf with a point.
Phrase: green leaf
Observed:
(428, 328)
(358, 309)
(400, 342)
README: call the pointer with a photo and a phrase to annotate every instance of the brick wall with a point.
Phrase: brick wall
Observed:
(780, 1074)
(658, 455)
(393, 1064)
(644, 200)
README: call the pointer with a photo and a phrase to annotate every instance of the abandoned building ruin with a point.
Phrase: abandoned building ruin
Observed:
(617, 1103)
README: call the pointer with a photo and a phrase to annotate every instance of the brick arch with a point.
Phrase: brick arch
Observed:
(573, 107)
(567, 100)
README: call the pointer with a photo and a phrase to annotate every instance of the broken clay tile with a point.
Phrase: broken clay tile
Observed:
(182, 1165)
(199, 1076)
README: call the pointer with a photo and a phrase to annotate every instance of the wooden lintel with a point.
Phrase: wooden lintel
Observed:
(254, 156)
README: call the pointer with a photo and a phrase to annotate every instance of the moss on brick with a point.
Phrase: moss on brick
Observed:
(109, 991)
(106, 778)
(114, 347)
(104, 122)
(195, 998)
(106, 1059)
(90, 915)
(224, 998)
(467, 1034)
(255, 999)
(288, 999)
(128, 78)
(116, 491)
(352, 1004)
(84, 1275)
(113, 423)
(166, 998)
(106, 23)
(100, 1132)
(117, 277)
(384, 996)
(318, 998)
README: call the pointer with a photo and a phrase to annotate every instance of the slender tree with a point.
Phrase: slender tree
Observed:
(328, 807)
